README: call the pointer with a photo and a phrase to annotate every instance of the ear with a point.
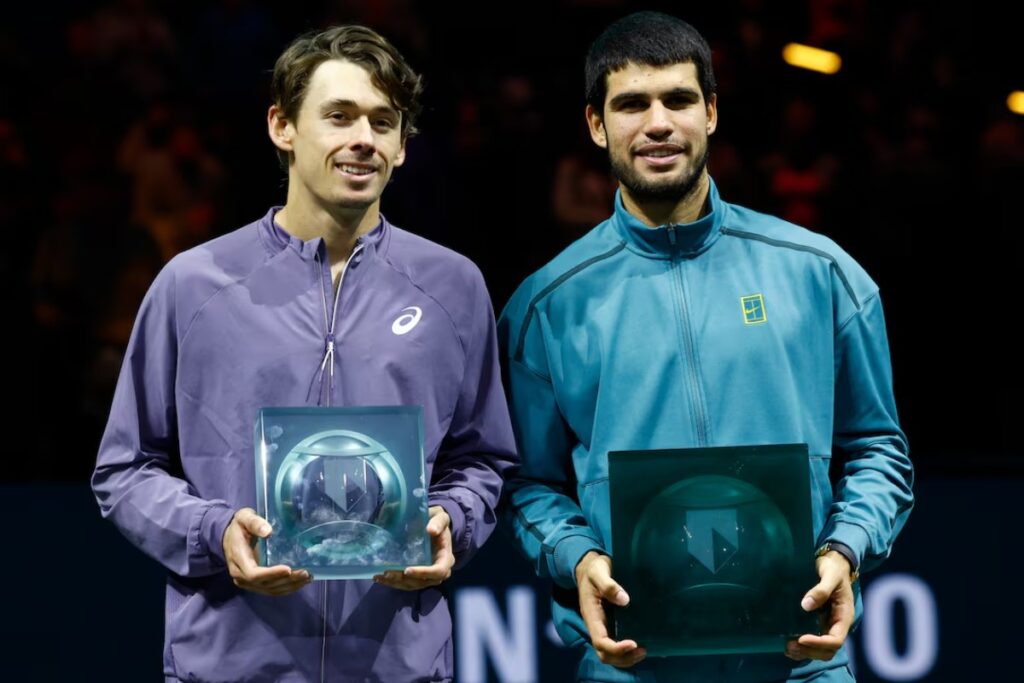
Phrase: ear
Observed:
(399, 156)
(712, 113)
(281, 130)
(596, 126)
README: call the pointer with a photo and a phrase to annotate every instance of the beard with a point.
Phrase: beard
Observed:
(672, 189)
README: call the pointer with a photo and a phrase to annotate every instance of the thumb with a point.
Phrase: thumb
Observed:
(609, 589)
(819, 595)
(253, 523)
(438, 522)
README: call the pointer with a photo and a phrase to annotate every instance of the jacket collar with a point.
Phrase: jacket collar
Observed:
(673, 239)
(277, 239)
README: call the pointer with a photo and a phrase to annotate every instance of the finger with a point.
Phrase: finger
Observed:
(819, 595)
(437, 572)
(624, 661)
(631, 659)
(828, 642)
(614, 647)
(442, 541)
(444, 560)
(275, 586)
(804, 653)
(295, 576)
(608, 588)
(253, 523)
(262, 575)
(623, 653)
(405, 585)
(818, 647)
(439, 521)
(401, 582)
(287, 585)
(281, 588)
(794, 651)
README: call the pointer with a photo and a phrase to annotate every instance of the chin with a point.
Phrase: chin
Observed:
(358, 202)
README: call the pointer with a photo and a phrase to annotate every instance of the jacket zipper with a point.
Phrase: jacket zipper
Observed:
(330, 320)
(691, 358)
(328, 365)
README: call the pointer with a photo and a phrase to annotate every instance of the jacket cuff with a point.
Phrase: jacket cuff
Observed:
(209, 541)
(851, 535)
(567, 554)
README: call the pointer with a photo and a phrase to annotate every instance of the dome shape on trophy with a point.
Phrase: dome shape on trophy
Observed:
(342, 494)
(710, 543)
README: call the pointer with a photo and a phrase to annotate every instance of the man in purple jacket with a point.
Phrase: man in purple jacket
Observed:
(321, 302)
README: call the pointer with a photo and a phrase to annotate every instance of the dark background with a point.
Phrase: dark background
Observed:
(133, 129)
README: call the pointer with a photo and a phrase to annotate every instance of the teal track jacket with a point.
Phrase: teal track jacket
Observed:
(737, 329)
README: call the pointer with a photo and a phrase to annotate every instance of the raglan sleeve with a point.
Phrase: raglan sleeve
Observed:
(874, 495)
(478, 451)
(541, 512)
(135, 480)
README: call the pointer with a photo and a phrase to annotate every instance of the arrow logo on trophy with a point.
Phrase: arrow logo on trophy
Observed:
(712, 536)
(350, 486)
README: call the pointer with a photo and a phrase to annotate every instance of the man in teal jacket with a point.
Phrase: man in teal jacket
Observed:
(686, 321)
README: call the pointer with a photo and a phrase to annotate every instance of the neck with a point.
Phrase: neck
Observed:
(339, 227)
(656, 212)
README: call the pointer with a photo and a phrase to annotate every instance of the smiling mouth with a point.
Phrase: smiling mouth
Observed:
(666, 152)
(355, 170)
(661, 157)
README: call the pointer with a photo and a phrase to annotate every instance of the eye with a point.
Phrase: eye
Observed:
(338, 116)
(679, 102)
(384, 123)
(633, 105)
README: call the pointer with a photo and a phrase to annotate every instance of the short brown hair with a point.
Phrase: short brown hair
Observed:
(389, 72)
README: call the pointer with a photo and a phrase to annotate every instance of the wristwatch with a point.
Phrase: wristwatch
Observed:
(846, 552)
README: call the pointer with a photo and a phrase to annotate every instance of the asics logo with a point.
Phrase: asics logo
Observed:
(405, 323)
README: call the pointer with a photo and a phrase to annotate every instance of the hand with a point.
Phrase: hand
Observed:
(415, 578)
(836, 590)
(594, 582)
(240, 552)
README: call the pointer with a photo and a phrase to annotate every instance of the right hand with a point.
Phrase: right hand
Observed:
(240, 538)
(594, 581)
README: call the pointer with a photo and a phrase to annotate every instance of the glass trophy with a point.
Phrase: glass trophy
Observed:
(714, 546)
(343, 489)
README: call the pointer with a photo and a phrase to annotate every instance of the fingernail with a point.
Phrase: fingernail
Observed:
(621, 598)
(807, 603)
(265, 529)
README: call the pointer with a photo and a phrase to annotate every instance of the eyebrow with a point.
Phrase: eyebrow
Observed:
(331, 105)
(674, 92)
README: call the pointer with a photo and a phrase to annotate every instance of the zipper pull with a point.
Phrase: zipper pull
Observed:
(328, 354)
(672, 235)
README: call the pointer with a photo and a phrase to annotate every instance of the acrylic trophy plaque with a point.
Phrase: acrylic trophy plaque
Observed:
(343, 489)
(714, 546)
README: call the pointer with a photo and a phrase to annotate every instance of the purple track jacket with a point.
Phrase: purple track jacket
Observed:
(247, 320)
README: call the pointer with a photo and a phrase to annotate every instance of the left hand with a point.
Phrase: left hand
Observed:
(836, 590)
(416, 578)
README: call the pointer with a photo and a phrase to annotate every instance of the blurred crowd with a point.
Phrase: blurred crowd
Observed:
(133, 129)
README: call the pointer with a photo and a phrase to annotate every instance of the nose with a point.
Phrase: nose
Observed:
(362, 135)
(658, 124)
